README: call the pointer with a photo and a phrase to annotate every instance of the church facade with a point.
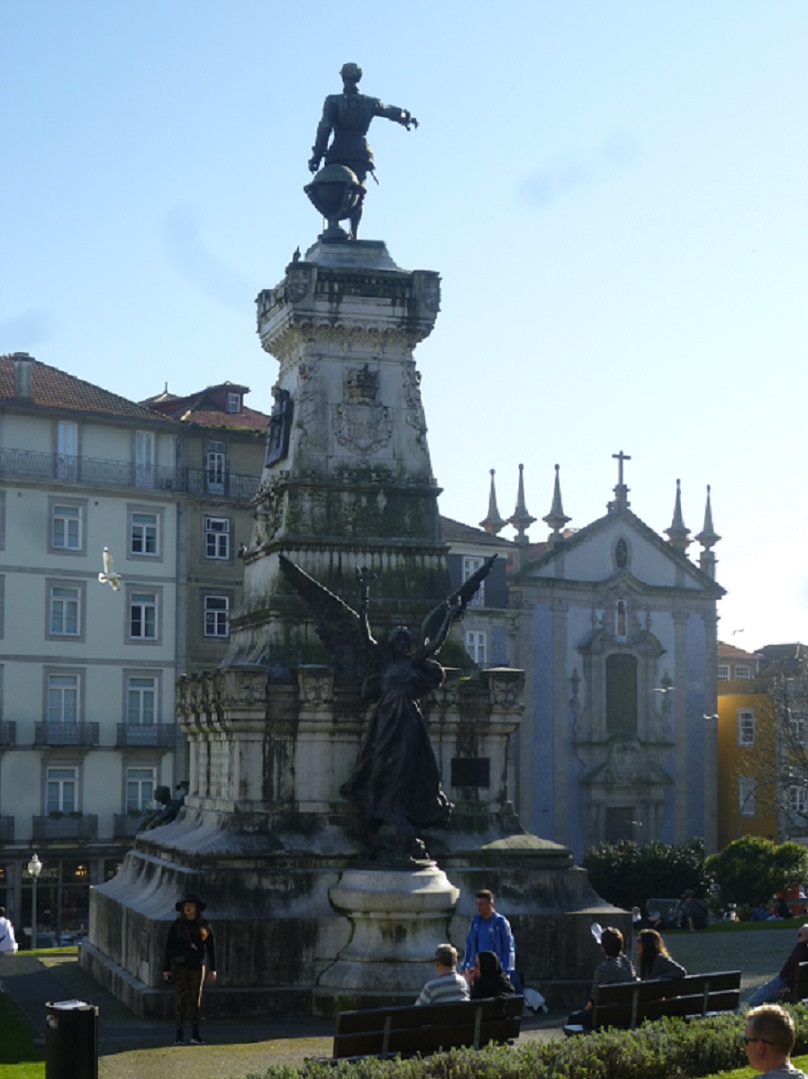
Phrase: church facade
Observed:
(618, 636)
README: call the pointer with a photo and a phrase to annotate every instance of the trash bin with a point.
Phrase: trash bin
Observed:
(71, 1040)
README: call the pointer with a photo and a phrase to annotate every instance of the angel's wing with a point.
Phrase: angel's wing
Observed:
(337, 624)
(461, 597)
(107, 558)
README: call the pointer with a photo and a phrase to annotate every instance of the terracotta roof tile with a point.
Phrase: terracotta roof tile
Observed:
(55, 389)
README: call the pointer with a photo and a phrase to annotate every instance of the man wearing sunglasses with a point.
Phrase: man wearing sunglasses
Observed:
(769, 1039)
(781, 984)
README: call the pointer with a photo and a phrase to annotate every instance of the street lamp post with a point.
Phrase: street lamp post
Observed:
(34, 868)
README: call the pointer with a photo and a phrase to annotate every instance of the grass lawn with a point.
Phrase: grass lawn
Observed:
(18, 1057)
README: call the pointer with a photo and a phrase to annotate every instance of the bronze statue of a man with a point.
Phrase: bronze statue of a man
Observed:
(348, 115)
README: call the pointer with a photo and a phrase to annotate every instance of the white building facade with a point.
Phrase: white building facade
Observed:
(87, 672)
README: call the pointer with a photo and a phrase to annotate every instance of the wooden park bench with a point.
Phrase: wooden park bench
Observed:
(629, 1003)
(406, 1031)
(799, 990)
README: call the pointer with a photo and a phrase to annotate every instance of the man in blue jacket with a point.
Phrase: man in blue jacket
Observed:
(490, 932)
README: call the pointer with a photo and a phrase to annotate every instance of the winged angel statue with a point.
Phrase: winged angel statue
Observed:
(396, 782)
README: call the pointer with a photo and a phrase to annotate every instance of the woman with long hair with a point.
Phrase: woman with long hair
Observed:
(654, 959)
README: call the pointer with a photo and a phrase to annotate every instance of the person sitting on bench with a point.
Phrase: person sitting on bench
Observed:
(653, 958)
(448, 987)
(781, 984)
(489, 979)
(616, 967)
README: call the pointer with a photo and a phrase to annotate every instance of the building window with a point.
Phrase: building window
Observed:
(798, 800)
(140, 784)
(798, 728)
(61, 790)
(64, 611)
(2, 520)
(216, 467)
(143, 616)
(63, 698)
(141, 701)
(66, 528)
(217, 610)
(743, 670)
(747, 796)
(621, 694)
(621, 620)
(746, 727)
(217, 537)
(67, 450)
(723, 672)
(477, 646)
(234, 402)
(144, 459)
(144, 533)
(471, 563)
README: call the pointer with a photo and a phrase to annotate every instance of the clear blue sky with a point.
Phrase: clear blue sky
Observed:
(613, 192)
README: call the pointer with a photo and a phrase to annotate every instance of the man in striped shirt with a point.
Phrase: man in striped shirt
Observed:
(448, 987)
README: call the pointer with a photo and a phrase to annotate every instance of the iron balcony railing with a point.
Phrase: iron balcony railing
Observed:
(142, 734)
(65, 734)
(6, 829)
(69, 826)
(8, 732)
(32, 464)
(127, 827)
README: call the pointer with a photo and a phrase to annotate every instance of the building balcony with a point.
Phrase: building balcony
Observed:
(127, 827)
(142, 735)
(82, 826)
(93, 471)
(65, 734)
(6, 829)
(8, 732)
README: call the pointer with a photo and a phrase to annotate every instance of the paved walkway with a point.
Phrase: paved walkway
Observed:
(134, 1048)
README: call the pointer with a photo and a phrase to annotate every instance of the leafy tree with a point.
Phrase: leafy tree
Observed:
(751, 869)
(628, 874)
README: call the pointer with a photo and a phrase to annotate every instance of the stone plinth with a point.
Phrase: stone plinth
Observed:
(398, 917)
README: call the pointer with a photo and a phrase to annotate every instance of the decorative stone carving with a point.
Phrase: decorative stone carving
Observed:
(361, 422)
(315, 685)
(299, 277)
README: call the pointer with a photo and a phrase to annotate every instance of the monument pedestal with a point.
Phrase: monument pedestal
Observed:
(265, 837)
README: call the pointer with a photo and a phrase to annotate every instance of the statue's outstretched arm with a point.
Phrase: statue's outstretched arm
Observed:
(400, 116)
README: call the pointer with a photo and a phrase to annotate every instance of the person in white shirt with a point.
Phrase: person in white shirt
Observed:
(8, 942)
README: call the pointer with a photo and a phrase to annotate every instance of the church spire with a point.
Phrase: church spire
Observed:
(620, 501)
(556, 518)
(493, 523)
(521, 519)
(677, 533)
(708, 537)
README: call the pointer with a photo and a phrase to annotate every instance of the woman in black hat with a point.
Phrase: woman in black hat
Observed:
(190, 955)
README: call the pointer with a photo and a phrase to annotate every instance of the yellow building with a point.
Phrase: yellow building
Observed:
(747, 749)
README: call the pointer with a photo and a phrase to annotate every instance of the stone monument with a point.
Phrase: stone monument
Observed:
(319, 900)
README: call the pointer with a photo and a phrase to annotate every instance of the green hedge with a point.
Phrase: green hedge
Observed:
(666, 1049)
